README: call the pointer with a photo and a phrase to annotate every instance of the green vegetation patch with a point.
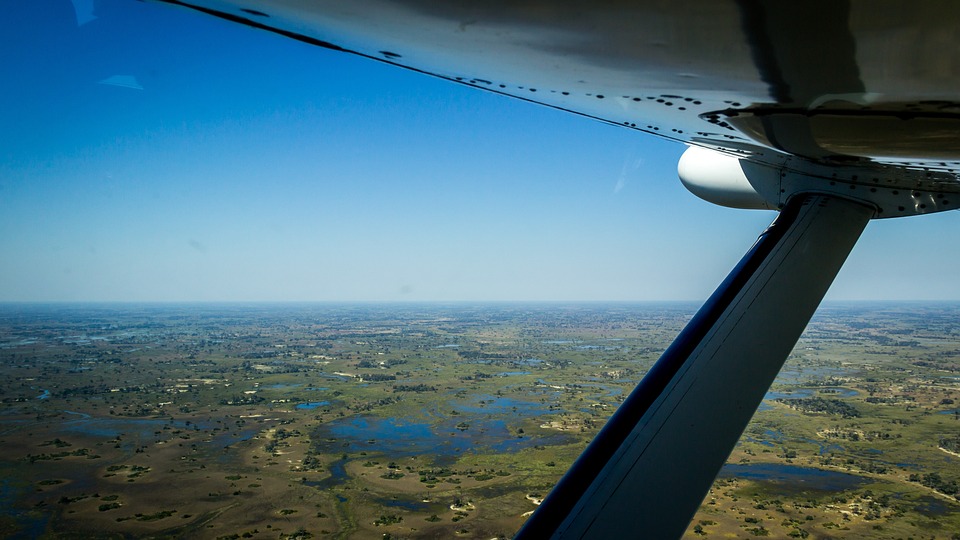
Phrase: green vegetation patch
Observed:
(821, 405)
(163, 514)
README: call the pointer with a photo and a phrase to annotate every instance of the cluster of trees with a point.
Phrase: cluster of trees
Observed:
(388, 519)
(279, 436)
(951, 444)
(246, 399)
(935, 481)
(311, 463)
(259, 355)
(820, 405)
(482, 355)
(414, 388)
(377, 377)
(370, 405)
(82, 452)
(92, 390)
(276, 366)
(385, 364)
(478, 376)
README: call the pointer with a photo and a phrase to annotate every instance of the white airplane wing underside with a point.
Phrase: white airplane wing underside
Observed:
(855, 87)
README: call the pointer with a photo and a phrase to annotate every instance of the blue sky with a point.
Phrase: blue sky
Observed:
(154, 154)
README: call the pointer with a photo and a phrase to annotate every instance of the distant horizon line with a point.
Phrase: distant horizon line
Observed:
(425, 302)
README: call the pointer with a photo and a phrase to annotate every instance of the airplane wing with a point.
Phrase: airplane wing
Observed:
(833, 111)
(824, 86)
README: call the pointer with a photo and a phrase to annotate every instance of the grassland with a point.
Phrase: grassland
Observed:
(409, 421)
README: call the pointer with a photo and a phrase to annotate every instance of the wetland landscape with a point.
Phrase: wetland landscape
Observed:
(445, 421)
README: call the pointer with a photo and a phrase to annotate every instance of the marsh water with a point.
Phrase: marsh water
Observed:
(481, 423)
(794, 477)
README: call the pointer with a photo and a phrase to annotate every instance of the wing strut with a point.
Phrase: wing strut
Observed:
(647, 471)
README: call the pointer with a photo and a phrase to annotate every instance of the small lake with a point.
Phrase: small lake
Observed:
(144, 429)
(447, 438)
(598, 348)
(334, 376)
(825, 392)
(931, 506)
(793, 375)
(109, 428)
(605, 389)
(31, 523)
(226, 438)
(773, 438)
(793, 477)
(413, 506)
(338, 475)
(489, 404)
(312, 405)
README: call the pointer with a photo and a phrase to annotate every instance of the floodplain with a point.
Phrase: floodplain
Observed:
(445, 421)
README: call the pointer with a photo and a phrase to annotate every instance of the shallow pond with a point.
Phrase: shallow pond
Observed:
(312, 405)
(334, 376)
(146, 428)
(338, 475)
(413, 506)
(793, 375)
(225, 438)
(112, 427)
(281, 386)
(598, 348)
(932, 506)
(29, 524)
(825, 392)
(794, 477)
(606, 390)
(488, 404)
(447, 438)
